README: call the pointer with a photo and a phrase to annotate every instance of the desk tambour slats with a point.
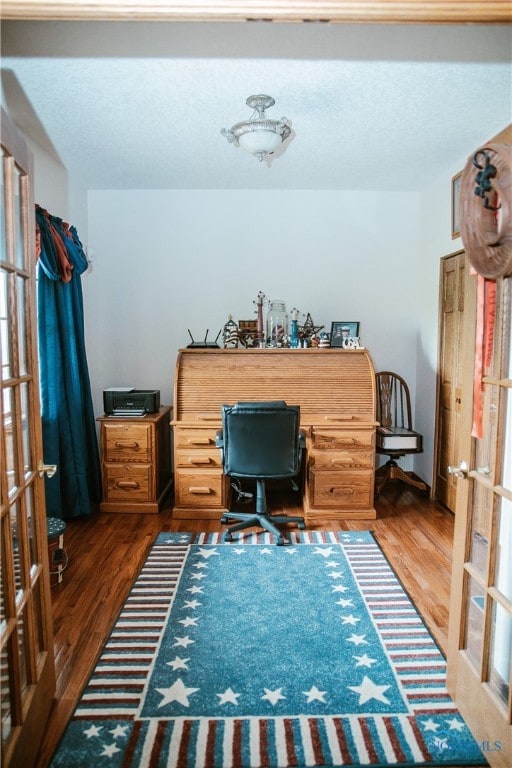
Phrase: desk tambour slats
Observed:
(334, 388)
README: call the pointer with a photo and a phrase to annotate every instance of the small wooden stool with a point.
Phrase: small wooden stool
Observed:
(57, 555)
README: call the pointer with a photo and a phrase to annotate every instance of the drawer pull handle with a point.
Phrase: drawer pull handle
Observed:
(200, 489)
(200, 441)
(128, 485)
(334, 489)
(207, 417)
(342, 462)
(198, 460)
(126, 444)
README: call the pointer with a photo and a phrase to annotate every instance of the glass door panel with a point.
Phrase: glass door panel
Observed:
(26, 651)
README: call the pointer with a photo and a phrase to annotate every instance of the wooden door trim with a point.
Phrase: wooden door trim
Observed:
(367, 11)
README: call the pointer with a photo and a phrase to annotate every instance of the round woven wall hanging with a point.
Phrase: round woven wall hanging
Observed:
(485, 210)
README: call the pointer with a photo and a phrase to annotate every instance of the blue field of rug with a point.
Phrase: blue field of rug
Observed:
(248, 655)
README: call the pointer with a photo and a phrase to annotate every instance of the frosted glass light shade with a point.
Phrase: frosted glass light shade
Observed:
(260, 142)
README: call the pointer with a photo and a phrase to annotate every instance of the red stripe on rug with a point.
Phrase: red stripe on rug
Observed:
(395, 741)
(419, 739)
(264, 756)
(368, 741)
(316, 742)
(209, 757)
(156, 749)
(131, 746)
(237, 742)
(342, 740)
(182, 761)
(290, 743)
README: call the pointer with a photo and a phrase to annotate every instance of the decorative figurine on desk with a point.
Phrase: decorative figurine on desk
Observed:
(294, 330)
(309, 330)
(260, 335)
(230, 334)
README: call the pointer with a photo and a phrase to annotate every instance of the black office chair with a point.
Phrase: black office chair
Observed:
(395, 436)
(260, 441)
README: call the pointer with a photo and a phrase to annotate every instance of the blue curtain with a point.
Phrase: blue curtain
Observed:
(69, 432)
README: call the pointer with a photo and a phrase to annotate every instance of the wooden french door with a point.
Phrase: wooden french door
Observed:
(452, 302)
(27, 663)
(480, 638)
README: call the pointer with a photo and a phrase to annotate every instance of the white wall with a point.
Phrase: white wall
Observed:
(166, 260)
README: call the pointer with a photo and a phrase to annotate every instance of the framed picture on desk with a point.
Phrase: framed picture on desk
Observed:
(343, 330)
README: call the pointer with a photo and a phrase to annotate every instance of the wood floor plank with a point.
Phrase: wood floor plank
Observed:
(106, 552)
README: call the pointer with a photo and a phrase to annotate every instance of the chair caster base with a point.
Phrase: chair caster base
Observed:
(280, 542)
(301, 526)
(228, 537)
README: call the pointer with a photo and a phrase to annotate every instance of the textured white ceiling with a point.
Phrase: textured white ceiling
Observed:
(141, 105)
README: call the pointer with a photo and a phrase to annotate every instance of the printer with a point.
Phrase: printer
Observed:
(125, 401)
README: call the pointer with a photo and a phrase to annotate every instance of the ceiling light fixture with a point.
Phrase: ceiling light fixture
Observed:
(259, 135)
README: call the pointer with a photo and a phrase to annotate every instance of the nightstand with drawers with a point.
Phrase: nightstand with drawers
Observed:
(135, 461)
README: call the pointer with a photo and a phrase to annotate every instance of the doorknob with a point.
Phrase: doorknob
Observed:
(46, 469)
(463, 469)
(460, 471)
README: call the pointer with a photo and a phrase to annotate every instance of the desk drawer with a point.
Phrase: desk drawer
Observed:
(126, 442)
(343, 488)
(194, 438)
(337, 439)
(196, 488)
(127, 482)
(199, 458)
(330, 460)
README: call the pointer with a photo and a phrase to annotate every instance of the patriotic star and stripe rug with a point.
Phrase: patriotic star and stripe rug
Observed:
(246, 654)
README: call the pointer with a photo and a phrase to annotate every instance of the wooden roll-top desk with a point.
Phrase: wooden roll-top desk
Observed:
(336, 392)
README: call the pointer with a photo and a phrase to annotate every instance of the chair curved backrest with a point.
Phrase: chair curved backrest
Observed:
(261, 439)
(393, 400)
(395, 436)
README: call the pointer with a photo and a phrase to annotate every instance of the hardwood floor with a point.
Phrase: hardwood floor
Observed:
(106, 552)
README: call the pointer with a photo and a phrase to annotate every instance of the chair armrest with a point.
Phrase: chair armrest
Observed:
(219, 439)
(302, 439)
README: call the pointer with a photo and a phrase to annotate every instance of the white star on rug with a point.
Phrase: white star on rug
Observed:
(314, 694)
(201, 565)
(188, 622)
(456, 725)
(332, 564)
(178, 663)
(265, 551)
(370, 690)
(429, 725)
(109, 750)
(327, 552)
(339, 588)
(344, 602)
(182, 642)
(357, 639)
(364, 661)
(94, 730)
(273, 696)
(195, 590)
(349, 620)
(228, 697)
(290, 550)
(198, 575)
(207, 552)
(238, 550)
(176, 692)
(191, 604)
(336, 575)
(119, 730)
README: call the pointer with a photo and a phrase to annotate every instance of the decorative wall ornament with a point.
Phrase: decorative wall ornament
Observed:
(485, 210)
